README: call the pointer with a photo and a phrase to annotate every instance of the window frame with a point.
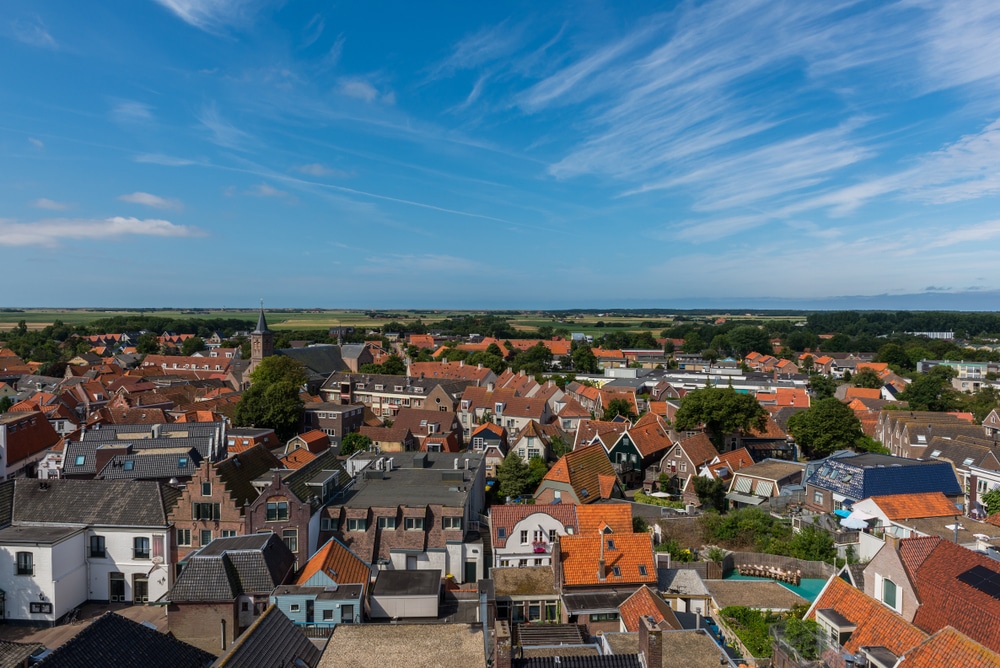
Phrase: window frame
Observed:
(183, 537)
(100, 553)
(291, 539)
(138, 552)
(280, 513)
(24, 564)
(413, 523)
(206, 484)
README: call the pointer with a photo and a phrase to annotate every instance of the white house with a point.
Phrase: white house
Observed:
(523, 534)
(72, 541)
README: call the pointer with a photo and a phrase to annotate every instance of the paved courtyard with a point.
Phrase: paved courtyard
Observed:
(55, 636)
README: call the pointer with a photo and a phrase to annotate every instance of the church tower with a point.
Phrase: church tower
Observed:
(261, 340)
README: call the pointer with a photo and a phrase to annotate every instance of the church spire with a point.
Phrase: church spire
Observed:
(261, 322)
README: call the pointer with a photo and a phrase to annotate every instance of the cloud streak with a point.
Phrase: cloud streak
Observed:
(52, 232)
(49, 204)
(148, 199)
(213, 16)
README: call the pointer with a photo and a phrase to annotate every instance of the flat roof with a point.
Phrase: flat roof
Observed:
(342, 592)
(764, 594)
(407, 583)
(410, 645)
(528, 581)
(37, 534)
(411, 487)
(592, 600)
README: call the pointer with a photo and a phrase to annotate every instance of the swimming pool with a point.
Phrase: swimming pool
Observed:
(808, 588)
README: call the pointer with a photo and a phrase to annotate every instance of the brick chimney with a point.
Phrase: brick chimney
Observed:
(502, 650)
(650, 642)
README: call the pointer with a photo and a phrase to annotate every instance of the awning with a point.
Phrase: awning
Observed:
(840, 512)
(745, 498)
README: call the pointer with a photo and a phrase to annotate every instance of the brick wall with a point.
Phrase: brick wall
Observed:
(182, 515)
(298, 517)
(201, 624)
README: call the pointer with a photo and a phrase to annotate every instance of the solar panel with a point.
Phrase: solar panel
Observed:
(983, 579)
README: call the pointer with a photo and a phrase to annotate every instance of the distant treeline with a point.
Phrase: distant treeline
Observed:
(880, 323)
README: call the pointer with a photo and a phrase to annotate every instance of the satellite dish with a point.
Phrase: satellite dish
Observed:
(157, 561)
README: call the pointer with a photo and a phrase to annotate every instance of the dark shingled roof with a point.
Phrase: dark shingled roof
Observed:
(240, 470)
(564, 661)
(152, 465)
(261, 324)
(113, 640)
(319, 361)
(861, 476)
(228, 567)
(272, 640)
(91, 502)
(6, 502)
(88, 450)
(298, 481)
(14, 654)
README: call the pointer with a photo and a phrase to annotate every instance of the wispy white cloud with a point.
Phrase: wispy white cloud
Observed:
(52, 232)
(480, 48)
(265, 190)
(161, 159)
(213, 16)
(318, 169)
(130, 112)
(37, 143)
(221, 131)
(963, 235)
(51, 205)
(362, 89)
(148, 199)
(32, 31)
(313, 31)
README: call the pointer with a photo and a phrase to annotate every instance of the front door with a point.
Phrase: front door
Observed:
(470, 571)
(116, 587)
(346, 614)
(310, 611)
(140, 589)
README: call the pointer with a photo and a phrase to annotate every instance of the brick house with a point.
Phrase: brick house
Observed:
(335, 420)
(212, 504)
(581, 476)
(289, 500)
(684, 460)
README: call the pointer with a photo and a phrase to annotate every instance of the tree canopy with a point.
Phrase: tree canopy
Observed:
(354, 442)
(722, 411)
(584, 360)
(618, 407)
(828, 425)
(932, 391)
(273, 398)
(867, 378)
(514, 476)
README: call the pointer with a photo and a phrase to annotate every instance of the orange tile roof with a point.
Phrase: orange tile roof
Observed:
(449, 371)
(338, 562)
(644, 603)
(33, 435)
(699, 449)
(734, 461)
(658, 407)
(650, 438)
(618, 516)
(877, 367)
(494, 429)
(298, 458)
(580, 555)
(582, 469)
(876, 624)
(862, 393)
(916, 506)
(949, 647)
(945, 600)
(315, 440)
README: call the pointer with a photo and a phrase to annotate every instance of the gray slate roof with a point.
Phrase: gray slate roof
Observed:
(320, 361)
(131, 503)
(153, 464)
(88, 450)
(14, 654)
(113, 640)
(272, 640)
(228, 567)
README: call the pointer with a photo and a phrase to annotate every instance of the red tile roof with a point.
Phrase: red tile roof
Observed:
(949, 647)
(580, 555)
(449, 371)
(618, 516)
(650, 438)
(733, 461)
(297, 458)
(582, 469)
(876, 624)
(338, 562)
(644, 603)
(315, 440)
(916, 506)
(27, 434)
(862, 393)
(699, 449)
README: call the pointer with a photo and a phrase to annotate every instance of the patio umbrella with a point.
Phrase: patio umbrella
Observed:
(852, 522)
(660, 495)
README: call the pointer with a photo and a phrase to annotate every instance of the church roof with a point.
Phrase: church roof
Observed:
(261, 324)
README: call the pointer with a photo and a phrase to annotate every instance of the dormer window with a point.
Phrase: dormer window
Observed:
(498, 408)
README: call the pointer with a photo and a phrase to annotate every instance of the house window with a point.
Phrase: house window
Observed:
(294, 607)
(184, 536)
(129, 464)
(550, 611)
(502, 533)
(414, 523)
(206, 537)
(604, 617)
(25, 563)
(477, 443)
(328, 615)
(642, 569)
(277, 511)
(291, 538)
(534, 611)
(207, 511)
(557, 494)
(889, 593)
(684, 466)
(325, 524)
(140, 548)
(97, 547)
(524, 537)
(534, 452)
(617, 571)
(451, 523)
(182, 462)
(818, 497)
(80, 459)
(206, 489)
(387, 523)
(228, 533)
(357, 525)
(552, 535)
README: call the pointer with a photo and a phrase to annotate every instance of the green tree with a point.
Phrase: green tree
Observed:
(513, 475)
(932, 391)
(828, 425)
(722, 411)
(982, 401)
(618, 407)
(639, 525)
(559, 447)
(273, 398)
(869, 444)
(494, 349)
(394, 366)
(5, 404)
(668, 347)
(895, 356)
(711, 492)
(746, 339)
(354, 442)
(537, 468)
(692, 343)
(193, 345)
(494, 363)
(584, 360)
(991, 501)
(867, 378)
(148, 344)
(823, 387)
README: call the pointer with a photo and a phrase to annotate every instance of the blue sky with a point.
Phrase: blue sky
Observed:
(212, 152)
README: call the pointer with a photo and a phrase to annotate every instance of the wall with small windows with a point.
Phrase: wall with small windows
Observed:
(141, 556)
(42, 581)
(886, 581)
